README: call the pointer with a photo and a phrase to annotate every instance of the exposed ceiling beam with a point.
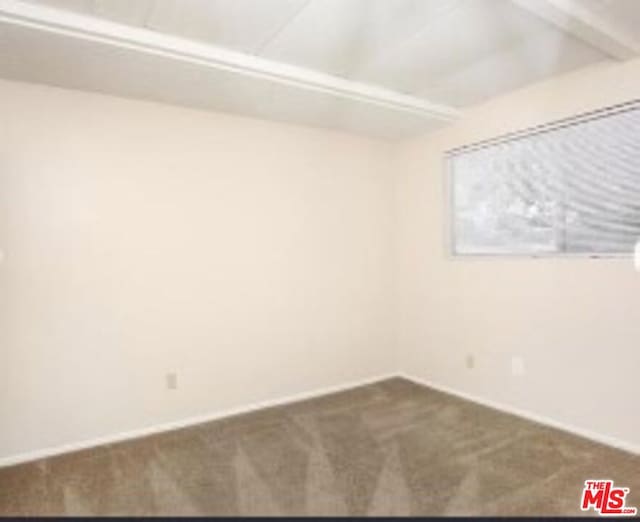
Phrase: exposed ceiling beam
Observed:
(582, 23)
(56, 21)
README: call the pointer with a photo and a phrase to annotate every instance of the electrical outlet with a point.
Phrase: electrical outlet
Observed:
(517, 366)
(172, 381)
(470, 361)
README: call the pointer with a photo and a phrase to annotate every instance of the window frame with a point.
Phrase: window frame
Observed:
(449, 186)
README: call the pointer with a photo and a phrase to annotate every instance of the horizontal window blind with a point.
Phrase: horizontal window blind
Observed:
(567, 188)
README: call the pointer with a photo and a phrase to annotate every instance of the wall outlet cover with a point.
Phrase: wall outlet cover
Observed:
(517, 366)
(470, 361)
(172, 381)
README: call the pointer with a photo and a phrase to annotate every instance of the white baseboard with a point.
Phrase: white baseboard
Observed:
(183, 423)
(541, 419)
(207, 417)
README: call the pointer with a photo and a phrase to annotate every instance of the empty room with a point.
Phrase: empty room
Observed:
(337, 258)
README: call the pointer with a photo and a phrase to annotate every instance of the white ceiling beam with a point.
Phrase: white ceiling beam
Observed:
(89, 28)
(582, 23)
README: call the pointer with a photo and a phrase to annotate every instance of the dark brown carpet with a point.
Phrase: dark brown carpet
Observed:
(391, 448)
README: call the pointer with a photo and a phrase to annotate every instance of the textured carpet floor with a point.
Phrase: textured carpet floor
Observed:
(391, 448)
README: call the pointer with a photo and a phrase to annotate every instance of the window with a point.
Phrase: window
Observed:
(572, 187)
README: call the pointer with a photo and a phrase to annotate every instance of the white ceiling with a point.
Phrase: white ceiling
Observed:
(622, 13)
(388, 68)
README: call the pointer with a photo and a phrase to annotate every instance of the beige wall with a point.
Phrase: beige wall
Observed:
(252, 258)
(575, 322)
(259, 260)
